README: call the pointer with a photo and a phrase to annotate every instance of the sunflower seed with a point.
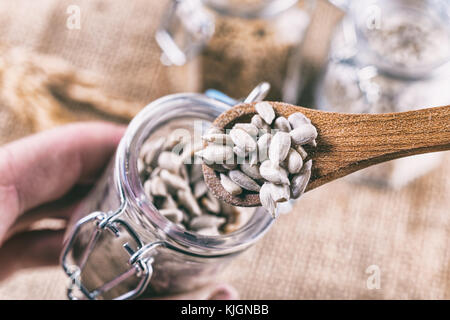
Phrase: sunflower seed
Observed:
(151, 151)
(279, 147)
(300, 180)
(208, 231)
(217, 167)
(170, 161)
(186, 216)
(158, 187)
(239, 152)
(263, 146)
(252, 158)
(184, 174)
(243, 180)
(196, 173)
(214, 130)
(258, 122)
(265, 196)
(229, 166)
(243, 140)
(297, 119)
(303, 134)
(155, 172)
(273, 173)
(293, 161)
(169, 203)
(300, 150)
(181, 226)
(251, 170)
(282, 124)
(215, 153)
(247, 127)
(200, 189)
(174, 215)
(144, 175)
(187, 200)
(210, 203)
(148, 188)
(141, 165)
(218, 138)
(265, 110)
(227, 210)
(280, 192)
(189, 151)
(173, 181)
(229, 185)
(176, 138)
(206, 221)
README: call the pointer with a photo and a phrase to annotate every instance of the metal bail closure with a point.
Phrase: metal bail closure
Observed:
(185, 29)
(140, 257)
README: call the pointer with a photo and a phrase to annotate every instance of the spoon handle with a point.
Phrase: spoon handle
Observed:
(350, 142)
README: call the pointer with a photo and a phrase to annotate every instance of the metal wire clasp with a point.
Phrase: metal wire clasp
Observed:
(140, 259)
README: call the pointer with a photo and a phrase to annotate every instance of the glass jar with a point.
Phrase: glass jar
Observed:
(234, 45)
(120, 246)
(389, 56)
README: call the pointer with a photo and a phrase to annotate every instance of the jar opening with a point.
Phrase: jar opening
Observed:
(181, 107)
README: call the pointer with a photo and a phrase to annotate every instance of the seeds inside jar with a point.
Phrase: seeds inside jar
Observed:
(173, 182)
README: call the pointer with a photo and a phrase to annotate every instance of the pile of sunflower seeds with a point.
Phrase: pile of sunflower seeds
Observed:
(264, 156)
(173, 182)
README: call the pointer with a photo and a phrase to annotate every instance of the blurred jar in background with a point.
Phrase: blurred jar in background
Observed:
(233, 45)
(389, 56)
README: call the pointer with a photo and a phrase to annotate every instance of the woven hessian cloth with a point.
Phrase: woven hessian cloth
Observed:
(322, 248)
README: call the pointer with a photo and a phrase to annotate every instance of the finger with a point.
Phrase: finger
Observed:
(45, 166)
(62, 209)
(45, 212)
(30, 223)
(29, 250)
(219, 291)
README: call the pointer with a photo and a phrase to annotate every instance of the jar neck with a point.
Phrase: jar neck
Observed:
(160, 113)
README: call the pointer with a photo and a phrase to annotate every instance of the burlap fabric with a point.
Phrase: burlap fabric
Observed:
(320, 250)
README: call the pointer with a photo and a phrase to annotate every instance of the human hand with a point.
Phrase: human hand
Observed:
(45, 176)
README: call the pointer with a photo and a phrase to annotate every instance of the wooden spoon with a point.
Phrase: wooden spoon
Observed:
(347, 142)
